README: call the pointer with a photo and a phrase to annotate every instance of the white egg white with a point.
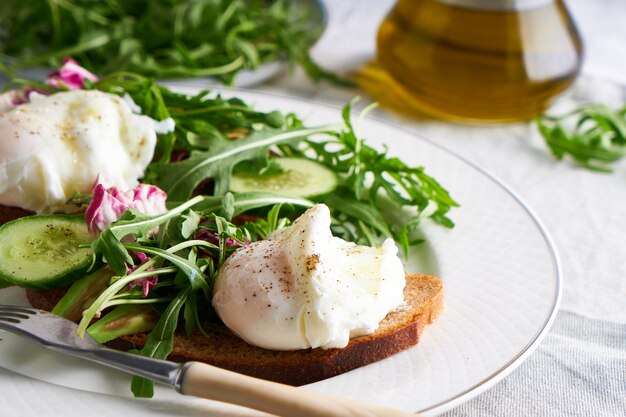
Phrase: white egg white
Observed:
(56, 145)
(303, 288)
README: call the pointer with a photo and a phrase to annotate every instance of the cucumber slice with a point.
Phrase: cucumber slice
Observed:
(301, 178)
(42, 251)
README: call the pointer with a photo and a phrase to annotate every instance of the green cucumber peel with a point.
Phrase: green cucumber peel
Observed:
(71, 305)
(123, 320)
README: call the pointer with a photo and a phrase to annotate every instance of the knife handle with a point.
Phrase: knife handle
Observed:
(206, 381)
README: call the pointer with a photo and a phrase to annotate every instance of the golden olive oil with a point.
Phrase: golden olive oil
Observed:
(468, 60)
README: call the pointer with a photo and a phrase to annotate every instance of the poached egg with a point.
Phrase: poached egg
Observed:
(54, 146)
(303, 288)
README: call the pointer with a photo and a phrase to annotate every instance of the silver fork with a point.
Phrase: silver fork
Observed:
(191, 378)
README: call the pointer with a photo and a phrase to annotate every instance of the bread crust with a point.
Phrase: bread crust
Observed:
(400, 330)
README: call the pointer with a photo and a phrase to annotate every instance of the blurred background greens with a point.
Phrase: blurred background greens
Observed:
(161, 38)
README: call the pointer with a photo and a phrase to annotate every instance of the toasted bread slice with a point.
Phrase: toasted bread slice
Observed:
(400, 330)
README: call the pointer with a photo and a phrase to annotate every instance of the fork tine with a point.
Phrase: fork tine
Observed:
(18, 309)
(58, 333)
(15, 314)
(11, 315)
(8, 320)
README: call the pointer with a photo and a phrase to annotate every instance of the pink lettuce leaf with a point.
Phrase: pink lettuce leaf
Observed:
(147, 283)
(108, 204)
(70, 75)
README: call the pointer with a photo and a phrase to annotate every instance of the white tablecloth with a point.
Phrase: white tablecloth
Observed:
(580, 367)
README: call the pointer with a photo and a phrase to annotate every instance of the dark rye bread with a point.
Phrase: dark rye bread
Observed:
(11, 213)
(400, 330)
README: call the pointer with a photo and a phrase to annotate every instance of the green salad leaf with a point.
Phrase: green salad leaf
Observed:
(245, 202)
(596, 140)
(160, 341)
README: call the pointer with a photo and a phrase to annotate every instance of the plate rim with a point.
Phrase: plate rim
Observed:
(536, 340)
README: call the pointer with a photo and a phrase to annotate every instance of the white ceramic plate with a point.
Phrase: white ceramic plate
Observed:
(502, 283)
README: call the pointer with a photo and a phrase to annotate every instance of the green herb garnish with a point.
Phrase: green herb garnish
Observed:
(597, 139)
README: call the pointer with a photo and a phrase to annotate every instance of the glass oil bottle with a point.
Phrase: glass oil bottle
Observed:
(481, 60)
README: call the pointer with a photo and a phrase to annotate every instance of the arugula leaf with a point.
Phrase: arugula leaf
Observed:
(597, 140)
(244, 202)
(191, 315)
(160, 341)
(273, 222)
(181, 178)
(359, 211)
(367, 175)
(190, 269)
(190, 224)
(113, 251)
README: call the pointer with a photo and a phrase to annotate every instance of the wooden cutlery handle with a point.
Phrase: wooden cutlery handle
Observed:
(202, 380)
